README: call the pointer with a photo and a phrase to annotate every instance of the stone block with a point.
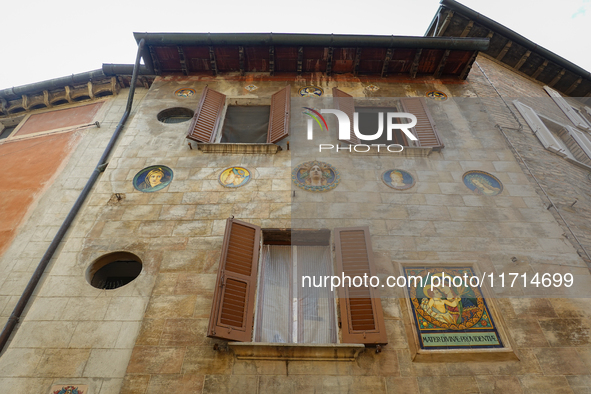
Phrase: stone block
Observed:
(177, 306)
(156, 360)
(204, 360)
(560, 361)
(62, 362)
(187, 383)
(107, 363)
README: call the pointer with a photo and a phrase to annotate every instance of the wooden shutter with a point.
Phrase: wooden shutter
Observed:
(279, 116)
(581, 139)
(567, 108)
(362, 318)
(232, 311)
(545, 136)
(344, 102)
(208, 116)
(425, 129)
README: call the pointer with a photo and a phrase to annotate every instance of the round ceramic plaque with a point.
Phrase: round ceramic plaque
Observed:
(315, 176)
(482, 183)
(153, 178)
(436, 95)
(398, 179)
(234, 177)
(311, 91)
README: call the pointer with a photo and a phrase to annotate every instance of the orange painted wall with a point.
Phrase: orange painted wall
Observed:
(27, 169)
(60, 118)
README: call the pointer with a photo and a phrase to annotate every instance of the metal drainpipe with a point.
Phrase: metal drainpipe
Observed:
(102, 164)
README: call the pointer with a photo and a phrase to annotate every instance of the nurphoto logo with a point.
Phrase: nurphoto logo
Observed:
(345, 129)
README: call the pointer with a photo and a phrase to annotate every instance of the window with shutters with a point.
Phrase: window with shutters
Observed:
(564, 140)
(425, 130)
(260, 295)
(219, 120)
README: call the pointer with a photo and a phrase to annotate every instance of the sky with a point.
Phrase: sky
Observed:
(42, 40)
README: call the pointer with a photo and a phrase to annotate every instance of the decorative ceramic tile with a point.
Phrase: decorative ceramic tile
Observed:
(436, 95)
(234, 177)
(315, 176)
(447, 316)
(153, 178)
(69, 389)
(398, 179)
(311, 91)
(184, 92)
(251, 87)
(372, 88)
(482, 183)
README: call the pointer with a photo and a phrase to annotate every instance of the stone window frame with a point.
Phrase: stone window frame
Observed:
(506, 353)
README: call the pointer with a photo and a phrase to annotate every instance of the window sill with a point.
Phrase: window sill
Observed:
(409, 151)
(222, 147)
(296, 351)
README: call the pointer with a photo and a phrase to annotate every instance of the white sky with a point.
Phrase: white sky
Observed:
(49, 39)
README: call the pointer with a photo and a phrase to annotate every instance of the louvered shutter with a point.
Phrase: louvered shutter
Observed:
(567, 108)
(207, 116)
(581, 139)
(362, 318)
(344, 102)
(425, 129)
(279, 116)
(545, 136)
(232, 311)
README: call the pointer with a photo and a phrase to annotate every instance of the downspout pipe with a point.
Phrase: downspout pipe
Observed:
(13, 320)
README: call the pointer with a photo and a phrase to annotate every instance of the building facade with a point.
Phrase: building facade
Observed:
(233, 181)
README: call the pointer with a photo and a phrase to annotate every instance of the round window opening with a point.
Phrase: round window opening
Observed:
(175, 115)
(114, 270)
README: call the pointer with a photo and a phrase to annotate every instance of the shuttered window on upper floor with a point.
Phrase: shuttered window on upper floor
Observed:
(214, 121)
(425, 130)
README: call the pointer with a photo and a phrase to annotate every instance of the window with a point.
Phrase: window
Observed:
(285, 313)
(242, 124)
(564, 140)
(425, 130)
(175, 115)
(369, 124)
(573, 113)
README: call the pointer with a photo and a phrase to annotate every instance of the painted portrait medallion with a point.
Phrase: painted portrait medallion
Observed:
(482, 183)
(153, 178)
(184, 92)
(448, 311)
(315, 176)
(311, 91)
(436, 95)
(234, 177)
(61, 389)
(398, 179)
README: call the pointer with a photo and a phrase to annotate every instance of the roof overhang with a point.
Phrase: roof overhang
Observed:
(506, 46)
(297, 54)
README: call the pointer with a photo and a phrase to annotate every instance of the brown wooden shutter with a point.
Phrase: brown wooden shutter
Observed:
(279, 116)
(208, 116)
(425, 129)
(344, 102)
(232, 311)
(362, 317)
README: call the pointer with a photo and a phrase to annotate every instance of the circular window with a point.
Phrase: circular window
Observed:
(114, 270)
(175, 115)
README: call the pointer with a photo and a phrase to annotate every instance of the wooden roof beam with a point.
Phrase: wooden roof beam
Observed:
(574, 86)
(300, 59)
(356, 62)
(467, 29)
(445, 24)
(212, 61)
(441, 65)
(536, 74)
(155, 62)
(504, 51)
(468, 67)
(522, 61)
(271, 60)
(329, 61)
(387, 59)
(414, 68)
(557, 78)
(182, 60)
(241, 59)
